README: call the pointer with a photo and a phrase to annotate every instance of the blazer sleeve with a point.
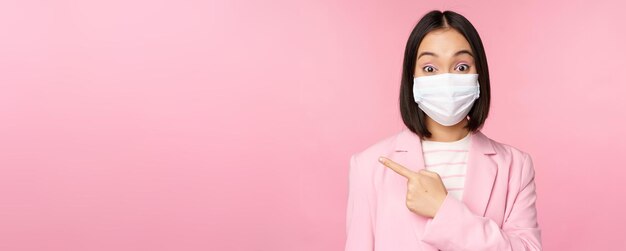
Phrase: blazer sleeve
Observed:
(359, 230)
(455, 227)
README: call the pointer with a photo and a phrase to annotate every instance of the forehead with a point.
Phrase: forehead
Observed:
(444, 42)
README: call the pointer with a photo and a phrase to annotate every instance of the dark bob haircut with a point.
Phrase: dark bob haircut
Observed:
(412, 116)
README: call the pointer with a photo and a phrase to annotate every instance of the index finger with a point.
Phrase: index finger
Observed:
(396, 167)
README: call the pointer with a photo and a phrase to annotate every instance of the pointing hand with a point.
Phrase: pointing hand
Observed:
(425, 189)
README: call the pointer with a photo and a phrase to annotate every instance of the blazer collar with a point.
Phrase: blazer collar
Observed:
(481, 169)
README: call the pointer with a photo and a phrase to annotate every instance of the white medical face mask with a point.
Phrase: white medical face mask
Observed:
(446, 97)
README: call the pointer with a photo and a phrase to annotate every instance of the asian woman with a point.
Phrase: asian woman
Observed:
(440, 183)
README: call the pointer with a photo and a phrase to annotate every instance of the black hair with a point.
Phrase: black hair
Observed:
(412, 116)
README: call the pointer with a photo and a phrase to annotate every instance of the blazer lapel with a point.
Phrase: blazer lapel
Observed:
(481, 169)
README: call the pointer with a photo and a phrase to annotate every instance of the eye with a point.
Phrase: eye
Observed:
(428, 68)
(463, 67)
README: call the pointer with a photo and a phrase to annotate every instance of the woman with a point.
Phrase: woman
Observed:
(440, 183)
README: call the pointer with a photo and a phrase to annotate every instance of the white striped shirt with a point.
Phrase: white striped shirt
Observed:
(449, 160)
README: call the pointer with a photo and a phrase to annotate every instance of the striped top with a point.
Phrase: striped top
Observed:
(449, 160)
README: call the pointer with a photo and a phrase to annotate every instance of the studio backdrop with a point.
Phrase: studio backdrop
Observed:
(229, 124)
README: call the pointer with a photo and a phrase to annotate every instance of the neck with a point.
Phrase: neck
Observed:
(446, 133)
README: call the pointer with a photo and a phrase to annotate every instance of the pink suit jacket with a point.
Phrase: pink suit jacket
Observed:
(497, 210)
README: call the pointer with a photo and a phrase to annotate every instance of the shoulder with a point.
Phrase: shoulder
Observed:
(365, 159)
(507, 150)
(380, 147)
(518, 161)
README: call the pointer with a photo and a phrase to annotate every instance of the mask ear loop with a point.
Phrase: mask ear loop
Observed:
(416, 95)
(478, 91)
(417, 98)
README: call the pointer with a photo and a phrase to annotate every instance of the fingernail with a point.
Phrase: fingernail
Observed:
(381, 159)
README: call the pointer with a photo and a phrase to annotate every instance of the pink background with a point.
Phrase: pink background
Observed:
(228, 125)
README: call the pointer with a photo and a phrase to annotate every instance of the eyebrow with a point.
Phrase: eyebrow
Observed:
(455, 54)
